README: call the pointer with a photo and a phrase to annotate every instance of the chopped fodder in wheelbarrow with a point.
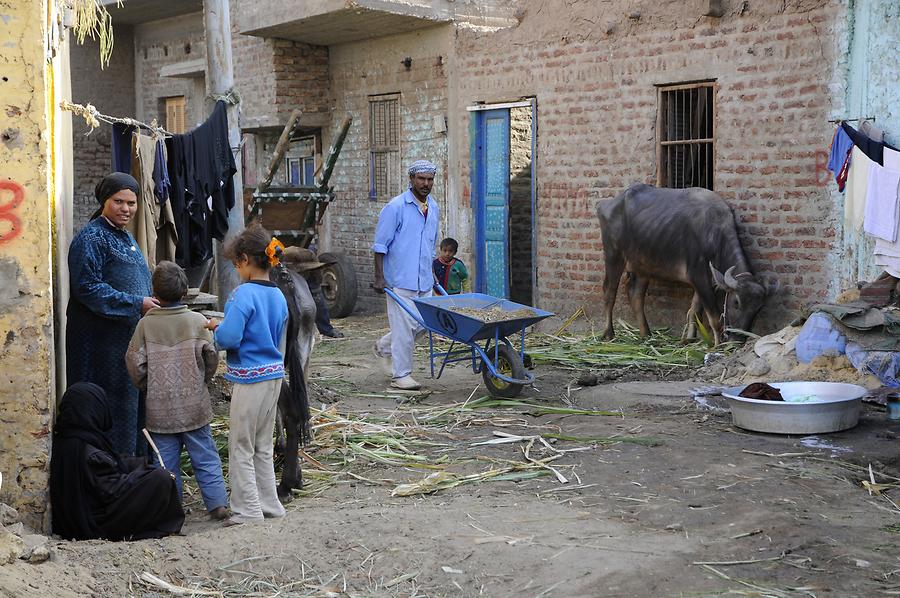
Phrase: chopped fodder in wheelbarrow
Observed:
(495, 314)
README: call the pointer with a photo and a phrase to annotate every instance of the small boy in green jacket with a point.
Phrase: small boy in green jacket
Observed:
(450, 272)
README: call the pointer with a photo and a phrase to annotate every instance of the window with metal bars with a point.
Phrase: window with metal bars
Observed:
(686, 126)
(175, 119)
(384, 146)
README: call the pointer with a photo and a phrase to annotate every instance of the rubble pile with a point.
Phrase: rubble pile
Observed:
(18, 542)
(856, 340)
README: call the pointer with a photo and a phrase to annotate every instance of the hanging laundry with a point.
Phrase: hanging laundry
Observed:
(166, 233)
(840, 153)
(161, 182)
(146, 220)
(855, 198)
(882, 197)
(870, 147)
(891, 159)
(215, 168)
(201, 168)
(887, 255)
(179, 195)
(122, 147)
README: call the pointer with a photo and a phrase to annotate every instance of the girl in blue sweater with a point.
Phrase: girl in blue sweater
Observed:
(253, 334)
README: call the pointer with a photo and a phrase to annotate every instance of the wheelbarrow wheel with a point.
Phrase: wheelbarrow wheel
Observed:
(338, 284)
(509, 363)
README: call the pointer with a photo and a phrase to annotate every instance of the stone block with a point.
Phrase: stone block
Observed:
(8, 515)
(37, 548)
(11, 547)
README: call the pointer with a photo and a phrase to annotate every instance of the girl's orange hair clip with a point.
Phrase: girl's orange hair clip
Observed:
(274, 251)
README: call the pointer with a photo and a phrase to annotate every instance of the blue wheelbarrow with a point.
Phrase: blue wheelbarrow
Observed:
(488, 346)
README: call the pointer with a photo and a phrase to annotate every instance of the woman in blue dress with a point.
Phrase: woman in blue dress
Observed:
(110, 291)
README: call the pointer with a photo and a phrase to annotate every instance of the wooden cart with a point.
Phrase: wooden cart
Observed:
(293, 214)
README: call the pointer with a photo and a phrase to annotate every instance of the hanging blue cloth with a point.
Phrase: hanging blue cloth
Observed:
(161, 182)
(121, 147)
(840, 152)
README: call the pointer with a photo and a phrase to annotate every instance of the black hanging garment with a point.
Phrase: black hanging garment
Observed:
(870, 147)
(201, 170)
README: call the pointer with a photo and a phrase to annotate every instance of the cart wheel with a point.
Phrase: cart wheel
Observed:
(338, 284)
(509, 363)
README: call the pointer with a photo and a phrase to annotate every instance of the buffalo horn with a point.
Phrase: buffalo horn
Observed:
(730, 281)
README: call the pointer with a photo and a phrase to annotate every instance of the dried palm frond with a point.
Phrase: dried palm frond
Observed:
(91, 19)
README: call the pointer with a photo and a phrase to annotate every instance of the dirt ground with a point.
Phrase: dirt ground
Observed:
(677, 486)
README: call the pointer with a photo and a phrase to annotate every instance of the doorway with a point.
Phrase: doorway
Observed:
(503, 183)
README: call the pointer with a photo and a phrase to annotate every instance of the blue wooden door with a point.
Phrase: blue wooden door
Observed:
(490, 170)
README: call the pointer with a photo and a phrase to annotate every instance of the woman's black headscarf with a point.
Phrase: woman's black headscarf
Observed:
(83, 419)
(113, 183)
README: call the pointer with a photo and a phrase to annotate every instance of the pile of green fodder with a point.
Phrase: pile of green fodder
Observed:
(589, 350)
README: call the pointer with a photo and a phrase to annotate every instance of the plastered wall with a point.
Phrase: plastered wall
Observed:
(866, 84)
(26, 299)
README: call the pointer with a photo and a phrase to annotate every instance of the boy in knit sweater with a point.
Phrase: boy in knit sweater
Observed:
(172, 356)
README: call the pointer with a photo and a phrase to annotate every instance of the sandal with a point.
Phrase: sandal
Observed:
(219, 513)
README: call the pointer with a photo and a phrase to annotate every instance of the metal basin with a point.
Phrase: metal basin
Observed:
(835, 407)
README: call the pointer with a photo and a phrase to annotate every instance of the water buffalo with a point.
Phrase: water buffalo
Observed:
(292, 425)
(680, 235)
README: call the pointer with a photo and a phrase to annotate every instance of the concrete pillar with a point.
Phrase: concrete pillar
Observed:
(220, 80)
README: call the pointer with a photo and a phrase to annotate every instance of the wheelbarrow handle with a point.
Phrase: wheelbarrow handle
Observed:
(414, 314)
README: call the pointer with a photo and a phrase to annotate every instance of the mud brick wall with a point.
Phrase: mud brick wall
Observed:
(374, 67)
(595, 75)
(111, 90)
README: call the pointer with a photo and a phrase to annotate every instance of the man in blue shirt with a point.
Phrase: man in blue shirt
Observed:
(404, 247)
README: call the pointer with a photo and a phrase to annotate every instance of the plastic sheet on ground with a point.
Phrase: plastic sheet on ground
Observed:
(819, 336)
(885, 365)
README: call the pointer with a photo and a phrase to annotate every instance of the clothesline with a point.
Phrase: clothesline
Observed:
(852, 120)
(93, 117)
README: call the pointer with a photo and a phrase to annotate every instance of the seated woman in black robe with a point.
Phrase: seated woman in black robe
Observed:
(94, 493)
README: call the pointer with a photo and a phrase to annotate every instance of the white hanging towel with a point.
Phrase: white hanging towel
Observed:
(882, 202)
(887, 255)
(891, 159)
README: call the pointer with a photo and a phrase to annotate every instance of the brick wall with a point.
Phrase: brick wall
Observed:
(274, 76)
(596, 130)
(163, 43)
(374, 67)
(520, 225)
(111, 90)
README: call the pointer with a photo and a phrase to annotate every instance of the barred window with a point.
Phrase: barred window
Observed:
(175, 114)
(686, 135)
(384, 146)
